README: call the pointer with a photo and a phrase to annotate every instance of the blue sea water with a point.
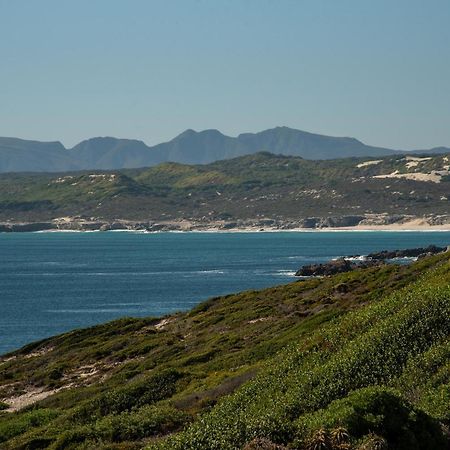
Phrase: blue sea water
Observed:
(55, 282)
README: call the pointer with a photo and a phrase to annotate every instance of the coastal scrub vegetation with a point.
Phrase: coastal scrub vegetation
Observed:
(358, 360)
(262, 185)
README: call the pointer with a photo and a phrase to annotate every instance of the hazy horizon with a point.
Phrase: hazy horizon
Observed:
(149, 70)
(212, 129)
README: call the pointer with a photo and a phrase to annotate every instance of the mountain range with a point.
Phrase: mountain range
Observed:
(190, 147)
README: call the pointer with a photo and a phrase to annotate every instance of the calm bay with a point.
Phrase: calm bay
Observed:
(55, 282)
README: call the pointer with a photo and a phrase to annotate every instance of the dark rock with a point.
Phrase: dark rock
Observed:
(157, 227)
(265, 223)
(340, 221)
(24, 227)
(229, 225)
(330, 222)
(309, 222)
(330, 268)
(80, 225)
(346, 264)
(407, 253)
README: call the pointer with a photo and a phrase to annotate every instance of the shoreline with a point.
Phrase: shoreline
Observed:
(368, 223)
(362, 229)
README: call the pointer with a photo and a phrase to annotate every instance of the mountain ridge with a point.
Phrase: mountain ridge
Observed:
(189, 147)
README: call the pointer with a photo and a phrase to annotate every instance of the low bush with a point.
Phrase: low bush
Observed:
(141, 392)
(13, 424)
(377, 410)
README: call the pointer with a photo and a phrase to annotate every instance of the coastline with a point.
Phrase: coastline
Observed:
(403, 227)
(368, 222)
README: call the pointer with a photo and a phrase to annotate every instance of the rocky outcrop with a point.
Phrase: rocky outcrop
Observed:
(340, 221)
(329, 222)
(346, 264)
(23, 227)
(407, 253)
(385, 219)
(333, 267)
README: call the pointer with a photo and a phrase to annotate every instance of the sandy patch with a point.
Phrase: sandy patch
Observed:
(419, 224)
(412, 164)
(369, 163)
(434, 176)
(417, 159)
(163, 323)
(30, 397)
(261, 319)
(5, 360)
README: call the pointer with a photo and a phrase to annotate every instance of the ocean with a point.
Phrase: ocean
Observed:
(55, 282)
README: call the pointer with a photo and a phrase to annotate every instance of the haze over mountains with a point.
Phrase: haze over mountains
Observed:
(190, 147)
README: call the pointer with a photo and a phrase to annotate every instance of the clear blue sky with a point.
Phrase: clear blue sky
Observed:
(378, 70)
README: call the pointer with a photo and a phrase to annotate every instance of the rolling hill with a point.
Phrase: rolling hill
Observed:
(190, 147)
(269, 190)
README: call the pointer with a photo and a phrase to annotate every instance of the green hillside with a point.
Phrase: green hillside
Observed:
(261, 186)
(359, 360)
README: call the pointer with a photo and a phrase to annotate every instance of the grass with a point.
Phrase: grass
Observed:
(365, 352)
(357, 358)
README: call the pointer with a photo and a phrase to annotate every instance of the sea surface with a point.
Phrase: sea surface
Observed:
(55, 282)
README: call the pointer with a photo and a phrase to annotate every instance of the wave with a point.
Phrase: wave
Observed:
(89, 311)
(208, 271)
(58, 264)
(122, 304)
(356, 258)
(116, 274)
(285, 273)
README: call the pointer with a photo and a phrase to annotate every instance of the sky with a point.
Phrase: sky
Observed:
(148, 69)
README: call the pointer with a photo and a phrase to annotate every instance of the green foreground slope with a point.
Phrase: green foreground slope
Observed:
(357, 360)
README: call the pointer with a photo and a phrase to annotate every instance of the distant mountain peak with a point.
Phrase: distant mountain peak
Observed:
(186, 133)
(189, 147)
(212, 132)
(106, 140)
(191, 133)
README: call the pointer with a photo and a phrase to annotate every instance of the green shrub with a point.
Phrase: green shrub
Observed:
(13, 424)
(128, 426)
(379, 410)
(366, 348)
(134, 394)
(145, 422)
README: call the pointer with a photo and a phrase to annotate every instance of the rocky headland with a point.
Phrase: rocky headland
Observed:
(349, 263)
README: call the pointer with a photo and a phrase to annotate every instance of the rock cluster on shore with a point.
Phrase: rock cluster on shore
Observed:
(346, 264)
(407, 253)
